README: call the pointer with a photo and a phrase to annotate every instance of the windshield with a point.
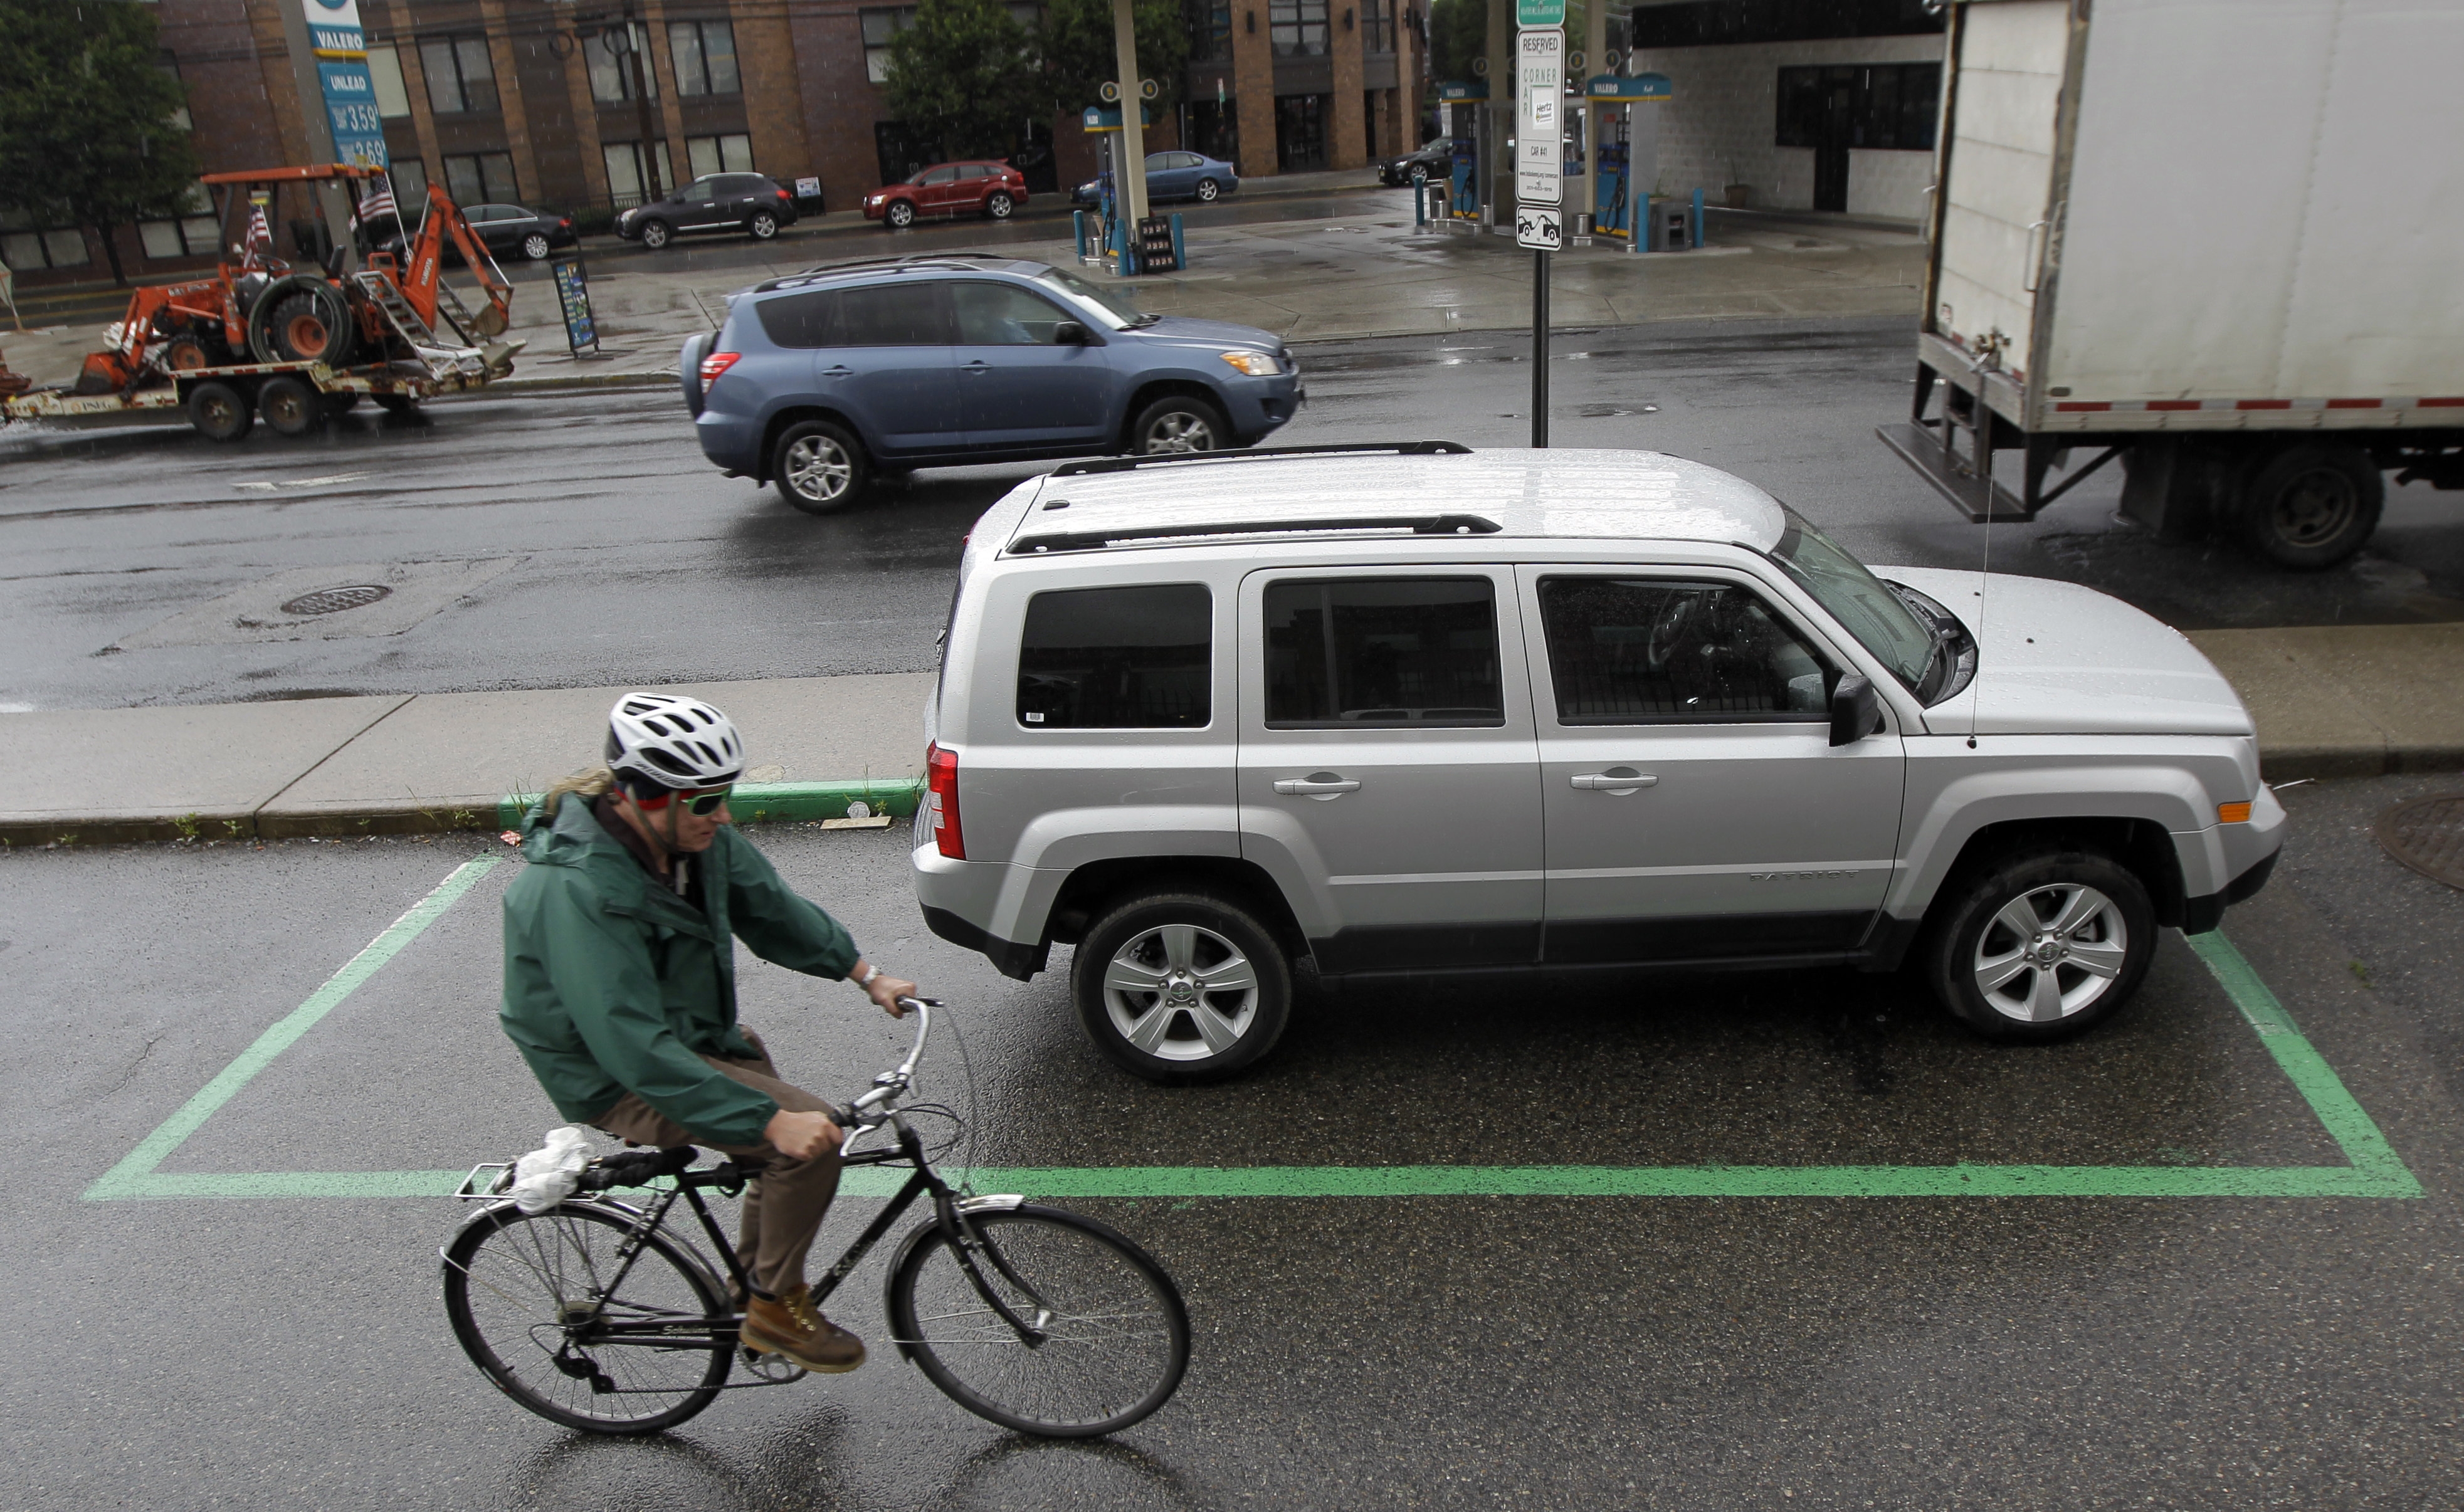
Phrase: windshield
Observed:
(1114, 310)
(1856, 598)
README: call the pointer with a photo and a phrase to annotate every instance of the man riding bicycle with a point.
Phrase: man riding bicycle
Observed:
(620, 988)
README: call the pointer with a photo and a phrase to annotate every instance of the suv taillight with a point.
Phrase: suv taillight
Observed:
(941, 784)
(715, 363)
(785, 196)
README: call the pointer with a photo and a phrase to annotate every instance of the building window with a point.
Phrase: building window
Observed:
(1377, 26)
(410, 185)
(1297, 27)
(25, 246)
(1886, 105)
(385, 70)
(730, 154)
(1300, 131)
(1210, 29)
(879, 26)
(704, 53)
(193, 234)
(624, 160)
(460, 79)
(179, 118)
(902, 150)
(480, 177)
(611, 63)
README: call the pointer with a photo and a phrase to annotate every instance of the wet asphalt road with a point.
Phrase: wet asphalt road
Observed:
(629, 558)
(1442, 1352)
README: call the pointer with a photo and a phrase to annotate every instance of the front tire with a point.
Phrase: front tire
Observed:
(656, 234)
(539, 1276)
(1181, 987)
(1178, 424)
(762, 226)
(819, 467)
(2046, 943)
(2311, 507)
(1116, 1332)
(1420, 174)
(535, 246)
(219, 411)
(898, 215)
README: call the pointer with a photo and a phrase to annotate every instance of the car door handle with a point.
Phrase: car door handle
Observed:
(1619, 780)
(838, 370)
(979, 365)
(1324, 786)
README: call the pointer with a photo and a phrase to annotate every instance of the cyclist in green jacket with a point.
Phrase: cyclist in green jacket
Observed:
(620, 988)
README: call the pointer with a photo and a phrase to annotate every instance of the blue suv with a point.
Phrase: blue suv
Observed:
(825, 380)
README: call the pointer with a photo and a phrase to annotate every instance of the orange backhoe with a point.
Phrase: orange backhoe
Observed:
(316, 307)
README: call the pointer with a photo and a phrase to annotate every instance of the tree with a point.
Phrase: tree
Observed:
(86, 134)
(963, 74)
(1457, 33)
(1075, 40)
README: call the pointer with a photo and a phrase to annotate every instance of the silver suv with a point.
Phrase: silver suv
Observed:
(1414, 708)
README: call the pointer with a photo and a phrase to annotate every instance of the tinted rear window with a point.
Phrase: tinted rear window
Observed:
(895, 315)
(800, 319)
(1117, 658)
(1348, 653)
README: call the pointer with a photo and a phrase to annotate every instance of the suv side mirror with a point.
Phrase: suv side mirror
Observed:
(1856, 709)
(1068, 333)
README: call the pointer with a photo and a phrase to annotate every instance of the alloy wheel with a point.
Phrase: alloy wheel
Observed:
(819, 469)
(1180, 992)
(1180, 430)
(535, 246)
(2051, 952)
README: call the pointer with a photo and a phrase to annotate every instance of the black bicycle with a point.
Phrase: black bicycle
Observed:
(594, 1314)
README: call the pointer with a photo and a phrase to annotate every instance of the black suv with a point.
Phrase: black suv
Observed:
(736, 201)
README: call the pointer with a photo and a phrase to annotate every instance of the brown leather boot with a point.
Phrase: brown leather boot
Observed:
(791, 1325)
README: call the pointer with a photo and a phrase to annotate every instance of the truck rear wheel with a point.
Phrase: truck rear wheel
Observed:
(2310, 506)
(290, 405)
(219, 411)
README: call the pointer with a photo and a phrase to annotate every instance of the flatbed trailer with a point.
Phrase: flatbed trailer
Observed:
(223, 402)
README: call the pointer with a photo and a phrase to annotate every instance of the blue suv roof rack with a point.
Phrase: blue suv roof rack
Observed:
(1399, 449)
(970, 262)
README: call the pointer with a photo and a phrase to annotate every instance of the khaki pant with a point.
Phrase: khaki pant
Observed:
(783, 1207)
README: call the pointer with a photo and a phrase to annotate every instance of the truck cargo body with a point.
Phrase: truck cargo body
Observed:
(2218, 238)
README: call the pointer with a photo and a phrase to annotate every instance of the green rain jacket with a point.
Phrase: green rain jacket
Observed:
(613, 983)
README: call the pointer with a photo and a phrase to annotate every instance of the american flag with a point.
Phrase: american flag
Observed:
(259, 233)
(380, 202)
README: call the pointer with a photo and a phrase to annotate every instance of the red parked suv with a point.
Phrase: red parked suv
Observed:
(990, 189)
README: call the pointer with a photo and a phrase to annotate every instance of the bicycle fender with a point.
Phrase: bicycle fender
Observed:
(915, 1237)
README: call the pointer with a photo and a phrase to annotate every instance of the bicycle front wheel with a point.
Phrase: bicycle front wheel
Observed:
(530, 1297)
(1111, 1337)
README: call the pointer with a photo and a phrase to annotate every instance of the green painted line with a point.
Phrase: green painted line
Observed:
(759, 802)
(2375, 1172)
(2355, 1132)
(157, 1147)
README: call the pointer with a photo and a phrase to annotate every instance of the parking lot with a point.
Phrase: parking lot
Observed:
(1685, 1242)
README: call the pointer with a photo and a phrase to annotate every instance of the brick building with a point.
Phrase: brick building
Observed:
(536, 102)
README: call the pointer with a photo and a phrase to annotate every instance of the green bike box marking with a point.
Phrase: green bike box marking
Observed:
(2375, 1170)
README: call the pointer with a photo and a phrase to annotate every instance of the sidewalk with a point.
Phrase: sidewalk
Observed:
(2330, 701)
(1309, 278)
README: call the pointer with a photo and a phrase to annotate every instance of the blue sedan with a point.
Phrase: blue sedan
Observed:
(1174, 176)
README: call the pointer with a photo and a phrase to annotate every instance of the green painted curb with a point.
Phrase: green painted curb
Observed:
(763, 802)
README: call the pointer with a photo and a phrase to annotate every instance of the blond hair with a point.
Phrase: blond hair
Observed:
(589, 782)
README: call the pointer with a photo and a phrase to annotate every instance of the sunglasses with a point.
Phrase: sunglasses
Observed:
(701, 802)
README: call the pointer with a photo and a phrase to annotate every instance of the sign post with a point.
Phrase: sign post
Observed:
(1539, 171)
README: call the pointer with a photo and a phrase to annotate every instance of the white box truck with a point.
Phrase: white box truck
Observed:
(2220, 239)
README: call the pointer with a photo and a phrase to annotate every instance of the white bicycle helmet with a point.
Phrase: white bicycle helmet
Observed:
(672, 741)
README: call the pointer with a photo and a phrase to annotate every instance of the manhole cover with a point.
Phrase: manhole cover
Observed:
(2428, 834)
(334, 601)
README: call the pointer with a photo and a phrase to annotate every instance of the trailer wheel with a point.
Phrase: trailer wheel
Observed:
(290, 407)
(219, 411)
(2310, 506)
(341, 402)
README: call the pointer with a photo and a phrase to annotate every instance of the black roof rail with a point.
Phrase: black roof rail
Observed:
(1400, 448)
(1416, 524)
(794, 281)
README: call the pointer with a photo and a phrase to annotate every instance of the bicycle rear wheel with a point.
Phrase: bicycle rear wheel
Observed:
(1117, 1335)
(522, 1290)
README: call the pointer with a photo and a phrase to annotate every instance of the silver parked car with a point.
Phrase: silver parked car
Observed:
(1415, 708)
